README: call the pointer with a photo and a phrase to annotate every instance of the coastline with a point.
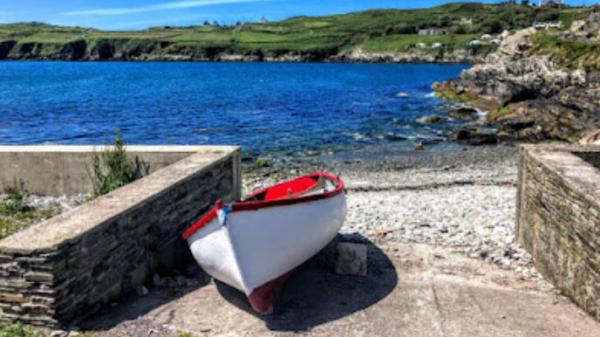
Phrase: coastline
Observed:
(460, 57)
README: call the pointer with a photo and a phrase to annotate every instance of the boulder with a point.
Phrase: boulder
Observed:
(351, 259)
(430, 119)
(464, 113)
(477, 136)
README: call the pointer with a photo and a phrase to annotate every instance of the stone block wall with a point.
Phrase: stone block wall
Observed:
(559, 218)
(60, 271)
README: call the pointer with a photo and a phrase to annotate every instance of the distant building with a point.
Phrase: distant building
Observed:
(264, 20)
(547, 25)
(551, 3)
(431, 31)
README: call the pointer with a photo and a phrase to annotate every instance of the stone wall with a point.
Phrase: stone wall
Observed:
(65, 170)
(60, 271)
(559, 218)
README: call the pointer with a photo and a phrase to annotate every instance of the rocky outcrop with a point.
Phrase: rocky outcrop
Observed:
(529, 96)
(415, 56)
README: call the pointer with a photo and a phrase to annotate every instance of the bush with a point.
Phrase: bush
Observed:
(492, 26)
(112, 169)
(14, 200)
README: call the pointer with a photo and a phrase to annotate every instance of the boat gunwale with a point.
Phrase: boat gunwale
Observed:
(241, 206)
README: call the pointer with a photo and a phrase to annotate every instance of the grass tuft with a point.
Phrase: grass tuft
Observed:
(14, 199)
(15, 330)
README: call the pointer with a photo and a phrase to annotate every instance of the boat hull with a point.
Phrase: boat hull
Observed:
(256, 250)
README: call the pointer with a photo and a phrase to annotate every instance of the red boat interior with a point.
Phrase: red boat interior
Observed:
(288, 189)
(312, 187)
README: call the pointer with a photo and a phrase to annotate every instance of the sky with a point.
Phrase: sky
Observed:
(140, 14)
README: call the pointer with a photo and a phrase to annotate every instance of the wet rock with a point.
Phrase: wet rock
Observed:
(431, 119)
(477, 136)
(396, 136)
(464, 113)
(351, 259)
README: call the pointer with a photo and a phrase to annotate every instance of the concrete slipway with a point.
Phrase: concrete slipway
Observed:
(411, 290)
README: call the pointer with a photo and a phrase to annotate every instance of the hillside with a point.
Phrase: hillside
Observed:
(338, 37)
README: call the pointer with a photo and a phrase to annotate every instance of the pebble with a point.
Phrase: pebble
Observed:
(142, 291)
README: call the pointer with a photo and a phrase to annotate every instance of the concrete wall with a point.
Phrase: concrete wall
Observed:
(67, 268)
(65, 170)
(559, 218)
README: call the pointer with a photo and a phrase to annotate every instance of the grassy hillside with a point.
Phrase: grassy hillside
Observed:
(573, 54)
(374, 31)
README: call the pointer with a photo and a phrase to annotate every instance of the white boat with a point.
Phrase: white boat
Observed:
(256, 244)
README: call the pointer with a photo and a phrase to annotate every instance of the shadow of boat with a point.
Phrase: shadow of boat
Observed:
(316, 294)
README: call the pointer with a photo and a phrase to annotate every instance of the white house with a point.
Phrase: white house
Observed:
(550, 2)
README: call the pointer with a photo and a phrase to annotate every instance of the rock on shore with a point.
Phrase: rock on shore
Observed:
(529, 96)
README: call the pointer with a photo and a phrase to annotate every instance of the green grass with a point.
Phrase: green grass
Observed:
(375, 30)
(15, 330)
(404, 42)
(568, 53)
(15, 215)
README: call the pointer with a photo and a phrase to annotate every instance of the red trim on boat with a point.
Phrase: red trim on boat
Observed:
(203, 221)
(284, 194)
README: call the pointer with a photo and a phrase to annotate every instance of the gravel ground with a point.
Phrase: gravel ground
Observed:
(464, 200)
(60, 204)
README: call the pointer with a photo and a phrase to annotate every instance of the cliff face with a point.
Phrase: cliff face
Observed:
(135, 50)
(530, 96)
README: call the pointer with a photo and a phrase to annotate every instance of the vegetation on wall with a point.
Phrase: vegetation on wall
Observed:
(15, 214)
(112, 169)
(15, 330)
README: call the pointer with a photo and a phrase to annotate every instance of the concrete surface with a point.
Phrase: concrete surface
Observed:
(410, 290)
(65, 169)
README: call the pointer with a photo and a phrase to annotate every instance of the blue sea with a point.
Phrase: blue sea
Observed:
(265, 107)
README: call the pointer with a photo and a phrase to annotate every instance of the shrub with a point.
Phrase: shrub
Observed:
(14, 200)
(262, 163)
(492, 26)
(111, 169)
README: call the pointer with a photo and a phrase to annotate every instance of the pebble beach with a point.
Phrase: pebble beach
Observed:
(462, 200)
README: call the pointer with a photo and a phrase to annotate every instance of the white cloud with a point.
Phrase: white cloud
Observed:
(154, 8)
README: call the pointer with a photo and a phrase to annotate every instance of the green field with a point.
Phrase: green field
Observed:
(374, 31)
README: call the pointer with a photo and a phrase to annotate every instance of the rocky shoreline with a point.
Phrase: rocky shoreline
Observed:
(529, 94)
(78, 51)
